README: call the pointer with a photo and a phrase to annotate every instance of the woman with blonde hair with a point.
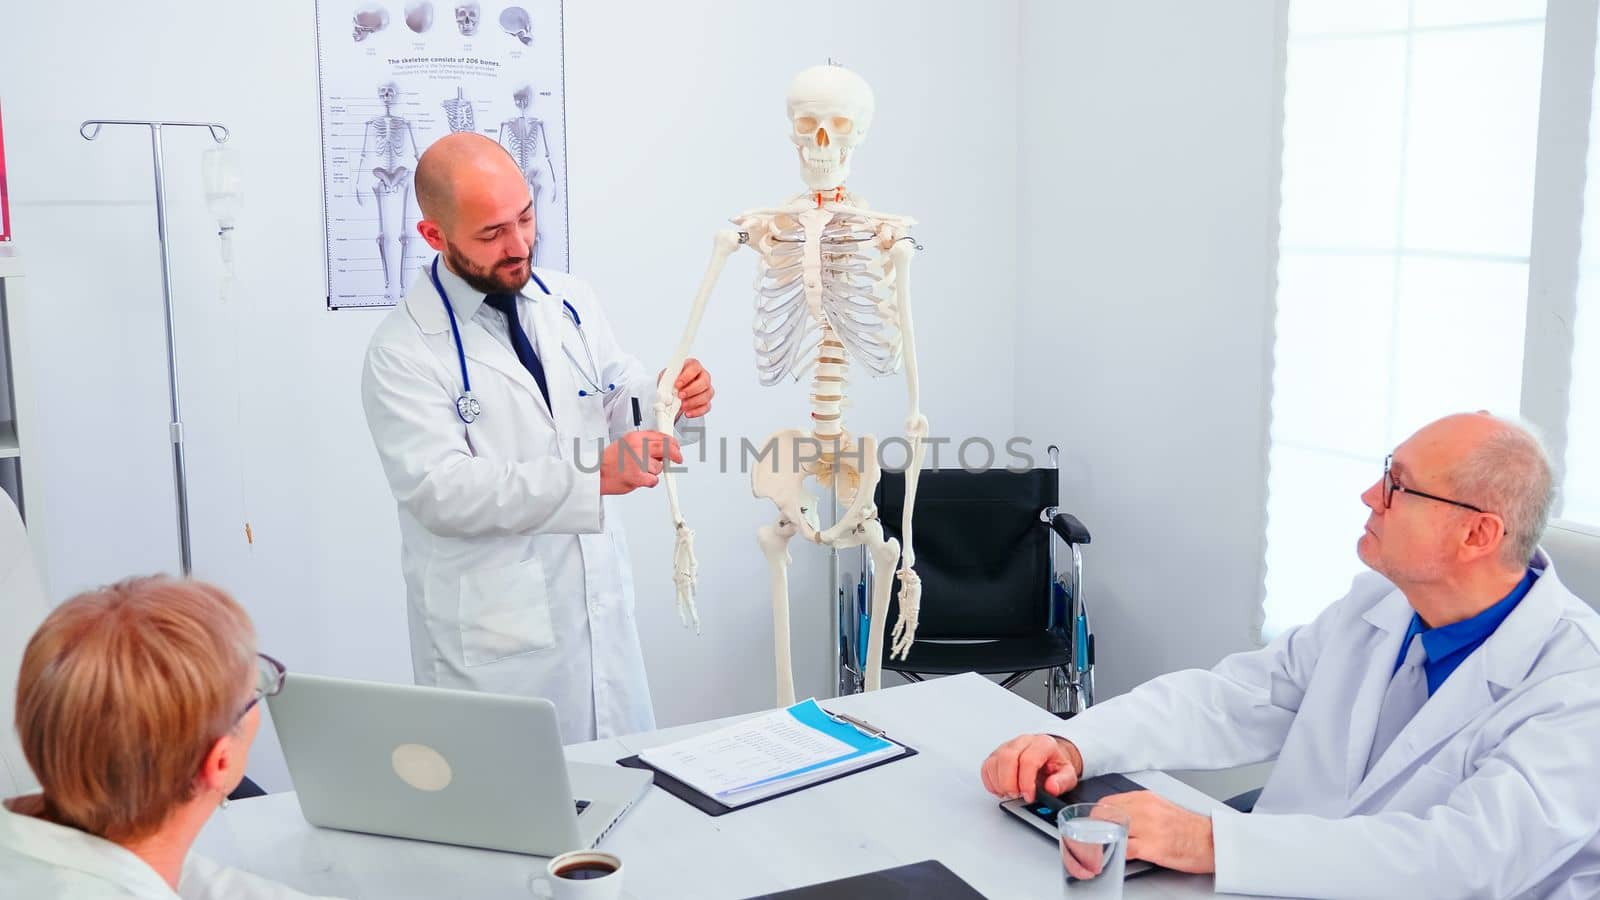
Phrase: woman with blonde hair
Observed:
(136, 708)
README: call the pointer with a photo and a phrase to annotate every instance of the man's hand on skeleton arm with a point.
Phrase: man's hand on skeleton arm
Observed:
(691, 391)
(636, 460)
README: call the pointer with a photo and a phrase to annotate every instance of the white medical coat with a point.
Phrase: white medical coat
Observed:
(1490, 791)
(516, 569)
(40, 859)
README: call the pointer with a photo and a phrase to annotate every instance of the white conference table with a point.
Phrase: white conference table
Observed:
(931, 806)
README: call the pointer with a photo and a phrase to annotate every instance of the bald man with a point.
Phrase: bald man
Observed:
(503, 412)
(1435, 731)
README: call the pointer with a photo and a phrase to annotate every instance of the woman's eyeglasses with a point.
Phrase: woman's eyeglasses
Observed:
(269, 681)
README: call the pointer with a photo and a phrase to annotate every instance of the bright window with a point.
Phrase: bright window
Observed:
(1410, 131)
(1582, 485)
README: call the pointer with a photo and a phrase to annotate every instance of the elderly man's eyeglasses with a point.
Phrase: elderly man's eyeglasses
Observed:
(1392, 487)
(269, 681)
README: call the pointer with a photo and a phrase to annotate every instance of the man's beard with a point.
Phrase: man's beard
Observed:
(500, 278)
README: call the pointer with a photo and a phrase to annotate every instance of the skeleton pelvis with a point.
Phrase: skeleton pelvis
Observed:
(789, 458)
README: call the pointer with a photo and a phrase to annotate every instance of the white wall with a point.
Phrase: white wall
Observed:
(675, 123)
(1098, 274)
(1149, 163)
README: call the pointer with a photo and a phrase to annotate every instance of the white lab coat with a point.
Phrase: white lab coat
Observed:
(1490, 791)
(516, 569)
(40, 859)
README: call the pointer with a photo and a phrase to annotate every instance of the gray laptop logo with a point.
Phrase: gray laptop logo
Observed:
(421, 766)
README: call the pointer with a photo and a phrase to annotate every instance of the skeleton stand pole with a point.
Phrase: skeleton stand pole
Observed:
(219, 133)
(835, 598)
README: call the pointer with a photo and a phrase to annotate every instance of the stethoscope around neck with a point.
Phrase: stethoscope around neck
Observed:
(467, 406)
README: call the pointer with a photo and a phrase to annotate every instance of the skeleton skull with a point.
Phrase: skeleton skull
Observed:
(369, 19)
(388, 92)
(830, 108)
(467, 18)
(514, 20)
(522, 97)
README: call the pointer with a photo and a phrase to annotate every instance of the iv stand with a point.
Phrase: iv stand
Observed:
(219, 133)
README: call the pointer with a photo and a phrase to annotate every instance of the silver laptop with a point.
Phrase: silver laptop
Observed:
(457, 767)
(1041, 813)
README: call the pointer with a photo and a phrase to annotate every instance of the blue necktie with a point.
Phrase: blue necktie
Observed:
(506, 305)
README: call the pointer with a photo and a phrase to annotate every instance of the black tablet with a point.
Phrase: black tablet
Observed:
(926, 880)
(1041, 813)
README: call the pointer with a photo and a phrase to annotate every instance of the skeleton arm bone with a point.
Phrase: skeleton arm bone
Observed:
(361, 163)
(727, 241)
(544, 142)
(666, 407)
(905, 629)
(684, 564)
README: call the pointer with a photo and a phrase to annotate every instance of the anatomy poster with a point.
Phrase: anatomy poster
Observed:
(398, 75)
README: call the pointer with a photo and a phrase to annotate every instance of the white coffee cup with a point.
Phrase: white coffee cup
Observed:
(581, 875)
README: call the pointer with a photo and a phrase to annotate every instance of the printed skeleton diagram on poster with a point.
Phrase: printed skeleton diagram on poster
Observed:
(394, 78)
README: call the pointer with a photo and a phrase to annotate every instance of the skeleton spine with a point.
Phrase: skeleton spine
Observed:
(827, 389)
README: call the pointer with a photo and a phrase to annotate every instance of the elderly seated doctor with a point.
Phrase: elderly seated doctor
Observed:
(136, 705)
(1436, 730)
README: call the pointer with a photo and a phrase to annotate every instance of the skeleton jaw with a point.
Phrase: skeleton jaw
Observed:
(822, 170)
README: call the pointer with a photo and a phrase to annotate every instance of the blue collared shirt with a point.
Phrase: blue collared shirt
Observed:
(1447, 646)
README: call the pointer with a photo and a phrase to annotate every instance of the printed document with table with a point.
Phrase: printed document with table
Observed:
(772, 753)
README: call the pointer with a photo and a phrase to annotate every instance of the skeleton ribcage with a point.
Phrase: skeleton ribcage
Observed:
(458, 115)
(851, 301)
(390, 134)
(522, 141)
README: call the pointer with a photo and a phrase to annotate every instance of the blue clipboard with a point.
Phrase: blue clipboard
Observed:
(812, 715)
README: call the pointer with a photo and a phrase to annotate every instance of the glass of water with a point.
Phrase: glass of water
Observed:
(1094, 850)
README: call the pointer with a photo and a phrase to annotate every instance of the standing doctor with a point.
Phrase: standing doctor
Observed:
(490, 391)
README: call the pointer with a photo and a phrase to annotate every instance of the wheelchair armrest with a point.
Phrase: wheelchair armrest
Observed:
(1068, 528)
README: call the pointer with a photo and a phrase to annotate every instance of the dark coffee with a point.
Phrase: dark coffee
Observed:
(585, 870)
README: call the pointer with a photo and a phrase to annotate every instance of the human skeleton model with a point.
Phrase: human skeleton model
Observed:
(524, 138)
(832, 286)
(390, 148)
(458, 112)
